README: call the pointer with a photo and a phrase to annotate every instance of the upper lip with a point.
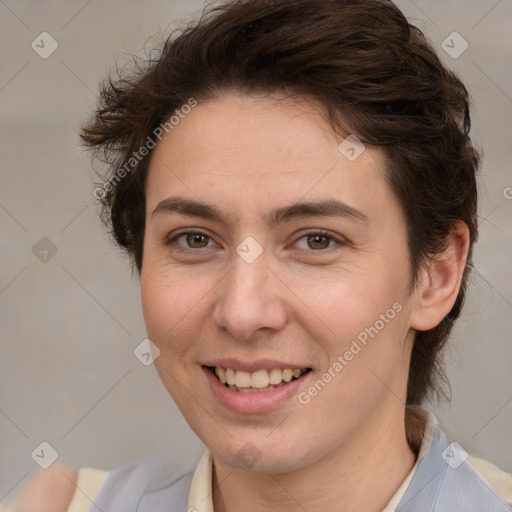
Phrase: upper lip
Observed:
(253, 365)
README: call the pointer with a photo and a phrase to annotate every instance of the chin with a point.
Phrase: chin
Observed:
(258, 453)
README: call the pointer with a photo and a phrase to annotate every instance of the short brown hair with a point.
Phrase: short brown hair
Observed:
(365, 64)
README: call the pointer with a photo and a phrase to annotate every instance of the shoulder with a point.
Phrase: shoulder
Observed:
(470, 483)
(89, 482)
(147, 483)
(60, 488)
(49, 490)
(462, 476)
(498, 479)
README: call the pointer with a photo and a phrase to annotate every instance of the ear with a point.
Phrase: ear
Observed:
(439, 285)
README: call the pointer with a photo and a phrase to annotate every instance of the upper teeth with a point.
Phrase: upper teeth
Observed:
(259, 379)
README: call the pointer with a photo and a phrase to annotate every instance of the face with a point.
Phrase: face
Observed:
(269, 256)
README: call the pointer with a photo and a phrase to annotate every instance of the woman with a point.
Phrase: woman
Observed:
(295, 184)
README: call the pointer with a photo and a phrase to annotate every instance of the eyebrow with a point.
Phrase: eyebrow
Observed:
(323, 208)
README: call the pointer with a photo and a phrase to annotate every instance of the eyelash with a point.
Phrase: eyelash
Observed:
(322, 233)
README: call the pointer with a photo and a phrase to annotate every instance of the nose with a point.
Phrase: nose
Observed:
(250, 300)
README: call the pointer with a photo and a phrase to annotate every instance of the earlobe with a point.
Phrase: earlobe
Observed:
(440, 283)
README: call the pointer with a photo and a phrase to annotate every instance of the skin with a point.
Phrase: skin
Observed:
(298, 301)
(302, 301)
(49, 490)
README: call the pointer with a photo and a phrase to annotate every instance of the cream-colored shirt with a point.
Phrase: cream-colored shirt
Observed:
(88, 483)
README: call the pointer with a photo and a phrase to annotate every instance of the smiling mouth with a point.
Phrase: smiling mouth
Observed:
(258, 381)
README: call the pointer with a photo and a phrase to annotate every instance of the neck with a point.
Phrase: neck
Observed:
(361, 474)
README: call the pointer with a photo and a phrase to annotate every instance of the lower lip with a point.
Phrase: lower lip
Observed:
(256, 402)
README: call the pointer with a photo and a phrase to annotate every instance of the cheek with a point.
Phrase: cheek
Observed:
(364, 359)
(347, 303)
(364, 322)
(175, 307)
(166, 304)
(157, 305)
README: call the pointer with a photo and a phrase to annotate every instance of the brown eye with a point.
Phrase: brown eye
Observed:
(318, 241)
(197, 240)
(189, 240)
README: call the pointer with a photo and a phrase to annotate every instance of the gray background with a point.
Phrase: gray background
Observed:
(69, 325)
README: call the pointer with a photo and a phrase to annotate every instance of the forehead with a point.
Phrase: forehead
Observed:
(246, 151)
